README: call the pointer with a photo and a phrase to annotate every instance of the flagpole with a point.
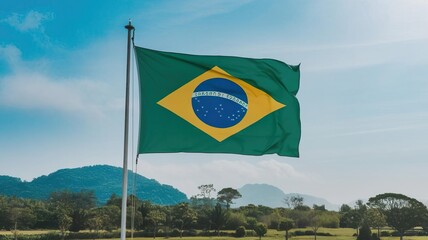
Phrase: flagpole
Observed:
(125, 142)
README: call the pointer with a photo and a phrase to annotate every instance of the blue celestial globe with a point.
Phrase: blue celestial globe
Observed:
(219, 102)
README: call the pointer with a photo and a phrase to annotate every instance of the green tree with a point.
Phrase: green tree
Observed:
(251, 222)
(76, 204)
(365, 233)
(227, 195)
(401, 212)
(316, 220)
(260, 230)
(183, 217)
(104, 218)
(114, 200)
(345, 219)
(156, 217)
(4, 213)
(218, 217)
(95, 223)
(144, 209)
(345, 208)
(352, 217)
(300, 217)
(206, 190)
(44, 215)
(286, 225)
(360, 212)
(203, 219)
(21, 216)
(112, 217)
(319, 207)
(331, 219)
(203, 203)
(14, 217)
(240, 232)
(375, 218)
(294, 201)
(205, 194)
(274, 219)
(19, 213)
(235, 220)
(254, 211)
(64, 221)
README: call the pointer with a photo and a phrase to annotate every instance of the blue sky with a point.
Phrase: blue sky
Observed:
(363, 94)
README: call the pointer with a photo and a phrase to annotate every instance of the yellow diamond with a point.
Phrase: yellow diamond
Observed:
(259, 105)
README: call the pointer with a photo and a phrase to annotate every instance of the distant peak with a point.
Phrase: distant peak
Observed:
(264, 186)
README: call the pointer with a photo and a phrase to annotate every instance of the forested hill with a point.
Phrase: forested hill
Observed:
(104, 180)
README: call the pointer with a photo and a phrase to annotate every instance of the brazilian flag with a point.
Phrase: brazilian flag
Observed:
(217, 104)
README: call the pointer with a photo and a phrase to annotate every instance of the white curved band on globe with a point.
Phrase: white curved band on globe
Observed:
(222, 95)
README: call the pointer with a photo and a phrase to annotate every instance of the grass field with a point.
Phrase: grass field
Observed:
(26, 232)
(339, 234)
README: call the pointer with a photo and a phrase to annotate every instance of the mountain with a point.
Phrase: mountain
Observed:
(260, 194)
(271, 196)
(104, 180)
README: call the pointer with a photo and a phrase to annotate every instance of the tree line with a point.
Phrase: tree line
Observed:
(208, 213)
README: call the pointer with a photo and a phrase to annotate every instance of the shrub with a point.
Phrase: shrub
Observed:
(240, 232)
(260, 230)
(304, 233)
(310, 233)
(286, 224)
(302, 222)
(92, 235)
(375, 237)
(235, 220)
(331, 221)
(250, 233)
(273, 224)
(190, 233)
(213, 233)
(365, 233)
(324, 234)
(175, 232)
(251, 222)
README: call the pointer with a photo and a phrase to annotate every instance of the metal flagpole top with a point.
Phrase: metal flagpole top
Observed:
(129, 26)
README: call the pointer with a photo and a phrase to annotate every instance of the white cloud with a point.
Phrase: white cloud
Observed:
(31, 21)
(11, 54)
(188, 11)
(31, 86)
(315, 58)
(199, 9)
(13, 57)
(280, 169)
(36, 91)
(399, 19)
(378, 130)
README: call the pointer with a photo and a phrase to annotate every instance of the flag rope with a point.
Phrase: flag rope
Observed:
(134, 164)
